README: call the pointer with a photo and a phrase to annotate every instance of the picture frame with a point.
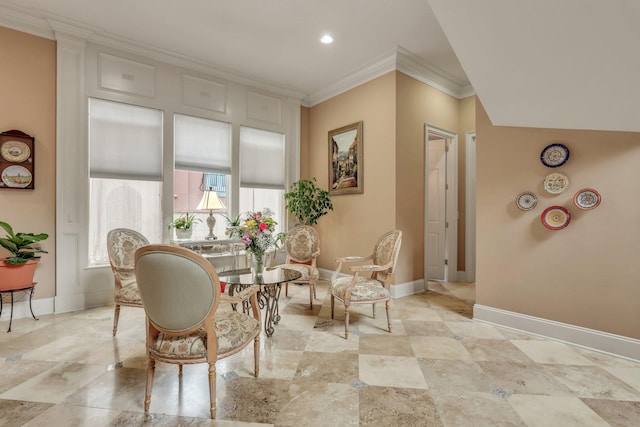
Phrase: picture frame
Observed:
(17, 160)
(346, 160)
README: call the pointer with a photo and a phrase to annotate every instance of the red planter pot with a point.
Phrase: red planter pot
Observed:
(17, 276)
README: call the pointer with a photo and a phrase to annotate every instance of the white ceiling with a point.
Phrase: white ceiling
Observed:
(276, 42)
(544, 63)
(572, 64)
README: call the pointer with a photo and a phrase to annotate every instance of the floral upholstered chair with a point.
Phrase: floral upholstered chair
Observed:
(371, 278)
(180, 293)
(302, 245)
(122, 244)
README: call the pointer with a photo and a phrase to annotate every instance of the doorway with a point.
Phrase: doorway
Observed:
(441, 205)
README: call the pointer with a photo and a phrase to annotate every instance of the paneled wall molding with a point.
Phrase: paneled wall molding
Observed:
(589, 338)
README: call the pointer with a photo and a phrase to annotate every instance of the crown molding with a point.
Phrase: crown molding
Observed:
(27, 21)
(55, 28)
(379, 66)
(401, 60)
(51, 27)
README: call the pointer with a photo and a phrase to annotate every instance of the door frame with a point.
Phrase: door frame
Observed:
(451, 250)
(470, 206)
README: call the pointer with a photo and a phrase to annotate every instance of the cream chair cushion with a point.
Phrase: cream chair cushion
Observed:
(365, 289)
(307, 271)
(128, 294)
(234, 330)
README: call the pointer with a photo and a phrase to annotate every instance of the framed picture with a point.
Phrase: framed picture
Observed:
(345, 160)
(17, 160)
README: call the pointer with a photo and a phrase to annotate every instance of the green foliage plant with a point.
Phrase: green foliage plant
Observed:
(307, 202)
(184, 222)
(21, 245)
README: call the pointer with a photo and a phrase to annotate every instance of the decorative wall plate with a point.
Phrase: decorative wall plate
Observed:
(556, 183)
(526, 201)
(554, 155)
(16, 177)
(587, 199)
(555, 218)
(15, 151)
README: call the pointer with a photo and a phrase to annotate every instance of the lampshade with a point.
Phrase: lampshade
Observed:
(210, 201)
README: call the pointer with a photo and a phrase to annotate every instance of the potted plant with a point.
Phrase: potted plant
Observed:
(184, 225)
(17, 270)
(307, 202)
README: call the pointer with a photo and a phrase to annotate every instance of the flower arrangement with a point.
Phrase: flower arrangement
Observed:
(257, 232)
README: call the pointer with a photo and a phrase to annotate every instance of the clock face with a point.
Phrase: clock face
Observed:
(15, 151)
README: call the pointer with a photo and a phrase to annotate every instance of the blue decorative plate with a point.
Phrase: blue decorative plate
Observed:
(526, 201)
(554, 155)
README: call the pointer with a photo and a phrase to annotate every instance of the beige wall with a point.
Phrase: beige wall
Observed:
(466, 123)
(417, 104)
(28, 88)
(394, 109)
(585, 274)
(357, 220)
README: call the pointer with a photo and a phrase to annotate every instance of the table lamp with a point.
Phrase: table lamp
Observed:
(210, 201)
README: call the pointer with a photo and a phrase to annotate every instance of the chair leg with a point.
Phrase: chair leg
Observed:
(116, 316)
(332, 304)
(374, 311)
(311, 291)
(256, 356)
(286, 289)
(151, 367)
(180, 369)
(212, 389)
(388, 306)
(346, 321)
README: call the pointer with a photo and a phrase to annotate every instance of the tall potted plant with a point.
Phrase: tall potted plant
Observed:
(17, 270)
(307, 202)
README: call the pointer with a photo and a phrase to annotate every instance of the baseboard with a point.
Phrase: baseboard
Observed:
(76, 302)
(604, 342)
(21, 310)
(408, 288)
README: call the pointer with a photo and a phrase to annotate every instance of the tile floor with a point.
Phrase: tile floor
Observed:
(437, 368)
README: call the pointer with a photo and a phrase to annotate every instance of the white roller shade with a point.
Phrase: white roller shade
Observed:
(202, 145)
(125, 141)
(261, 159)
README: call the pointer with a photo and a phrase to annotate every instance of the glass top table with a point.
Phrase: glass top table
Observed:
(270, 282)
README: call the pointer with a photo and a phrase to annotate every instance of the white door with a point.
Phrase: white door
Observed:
(436, 210)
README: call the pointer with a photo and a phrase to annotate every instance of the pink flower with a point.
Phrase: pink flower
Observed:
(263, 226)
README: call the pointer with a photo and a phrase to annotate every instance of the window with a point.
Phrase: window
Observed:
(125, 169)
(202, 162)
(262, 172)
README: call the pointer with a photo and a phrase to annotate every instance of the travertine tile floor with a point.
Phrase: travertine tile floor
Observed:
(437, 368)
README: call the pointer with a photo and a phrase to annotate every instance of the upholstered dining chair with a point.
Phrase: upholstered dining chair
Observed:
(180, 293)
(365, 288)
(302, 246)
(122, 244)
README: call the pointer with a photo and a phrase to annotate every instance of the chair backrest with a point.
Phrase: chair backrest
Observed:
(301, 243)
(122, 244)
(180, 289)
(386, 251)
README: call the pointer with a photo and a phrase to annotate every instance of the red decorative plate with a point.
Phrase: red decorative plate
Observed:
(555, 217)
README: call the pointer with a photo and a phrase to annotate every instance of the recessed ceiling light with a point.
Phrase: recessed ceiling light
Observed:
(326, 39)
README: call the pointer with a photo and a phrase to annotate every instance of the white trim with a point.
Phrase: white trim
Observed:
(604, 342)
(39, 24)
(451, 270)
(397, 59)
(470, 207)
(370, 71)
(41, 307)
(407, 288)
